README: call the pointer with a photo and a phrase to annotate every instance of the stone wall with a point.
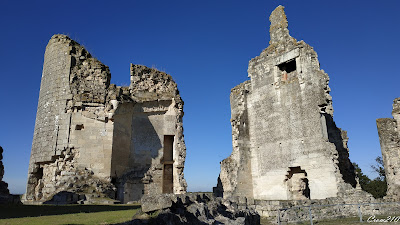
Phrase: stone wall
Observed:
(389, 137)
(286, 145)
(70, 123)
(298, 210)
(51, 124)
(147, 127)
(4, 192)
(95, 138)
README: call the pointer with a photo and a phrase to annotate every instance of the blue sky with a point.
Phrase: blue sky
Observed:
(205, 46)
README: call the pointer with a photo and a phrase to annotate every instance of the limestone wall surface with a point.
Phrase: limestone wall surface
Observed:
(54, 93)
(146, 127)
(286, 145)
(389, 137)
(98, 139)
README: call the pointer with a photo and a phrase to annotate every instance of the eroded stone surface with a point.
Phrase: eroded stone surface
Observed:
(389, 137)
(102, 140)
(286, 145)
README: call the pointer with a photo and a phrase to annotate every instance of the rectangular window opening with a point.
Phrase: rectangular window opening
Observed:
(288, 66)
(168, 148)
(79, 127)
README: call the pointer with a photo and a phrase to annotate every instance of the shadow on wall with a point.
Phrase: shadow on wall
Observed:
(335, 136)
(135, 143)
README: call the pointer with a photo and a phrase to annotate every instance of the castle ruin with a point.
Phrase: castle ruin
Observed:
(389, 137)
(102, 140)
(286, 145)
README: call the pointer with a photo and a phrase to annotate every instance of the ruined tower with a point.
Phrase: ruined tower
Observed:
(286, 145)
(389, 137)
(102, 140)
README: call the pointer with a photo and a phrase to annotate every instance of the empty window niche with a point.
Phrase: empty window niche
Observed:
(168, 148)
(288, 66)
(79, 127)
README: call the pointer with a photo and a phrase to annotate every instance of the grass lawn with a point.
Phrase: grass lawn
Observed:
(110, 214)
(67, 214)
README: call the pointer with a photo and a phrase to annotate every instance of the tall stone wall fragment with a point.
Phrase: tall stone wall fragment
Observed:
(389, 137)
(90, 135)
(286, 145)
(155, 160)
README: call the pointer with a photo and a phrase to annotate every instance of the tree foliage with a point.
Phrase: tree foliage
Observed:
(377, 187)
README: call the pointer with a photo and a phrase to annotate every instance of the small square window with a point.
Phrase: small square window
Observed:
(79, 127)
(288, 66)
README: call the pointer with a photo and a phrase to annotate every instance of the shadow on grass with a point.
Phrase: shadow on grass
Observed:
(18, 211)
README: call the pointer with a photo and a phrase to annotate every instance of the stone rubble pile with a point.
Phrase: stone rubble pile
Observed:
(63, 175)
(195, 209)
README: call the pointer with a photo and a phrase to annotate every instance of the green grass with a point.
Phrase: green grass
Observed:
(67, 214)
(110, 214)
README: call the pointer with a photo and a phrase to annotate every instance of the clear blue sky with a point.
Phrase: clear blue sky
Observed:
(205, 46)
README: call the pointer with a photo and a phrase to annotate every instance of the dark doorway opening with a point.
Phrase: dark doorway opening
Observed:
(168, 183)
(168, 160)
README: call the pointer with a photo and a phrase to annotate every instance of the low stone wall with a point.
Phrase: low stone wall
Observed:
(318, 211)
(359, 202)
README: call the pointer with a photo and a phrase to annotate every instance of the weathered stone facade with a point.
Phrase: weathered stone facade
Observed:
(4, 192)
(103, 140)
(286, 145)
(389, 137)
